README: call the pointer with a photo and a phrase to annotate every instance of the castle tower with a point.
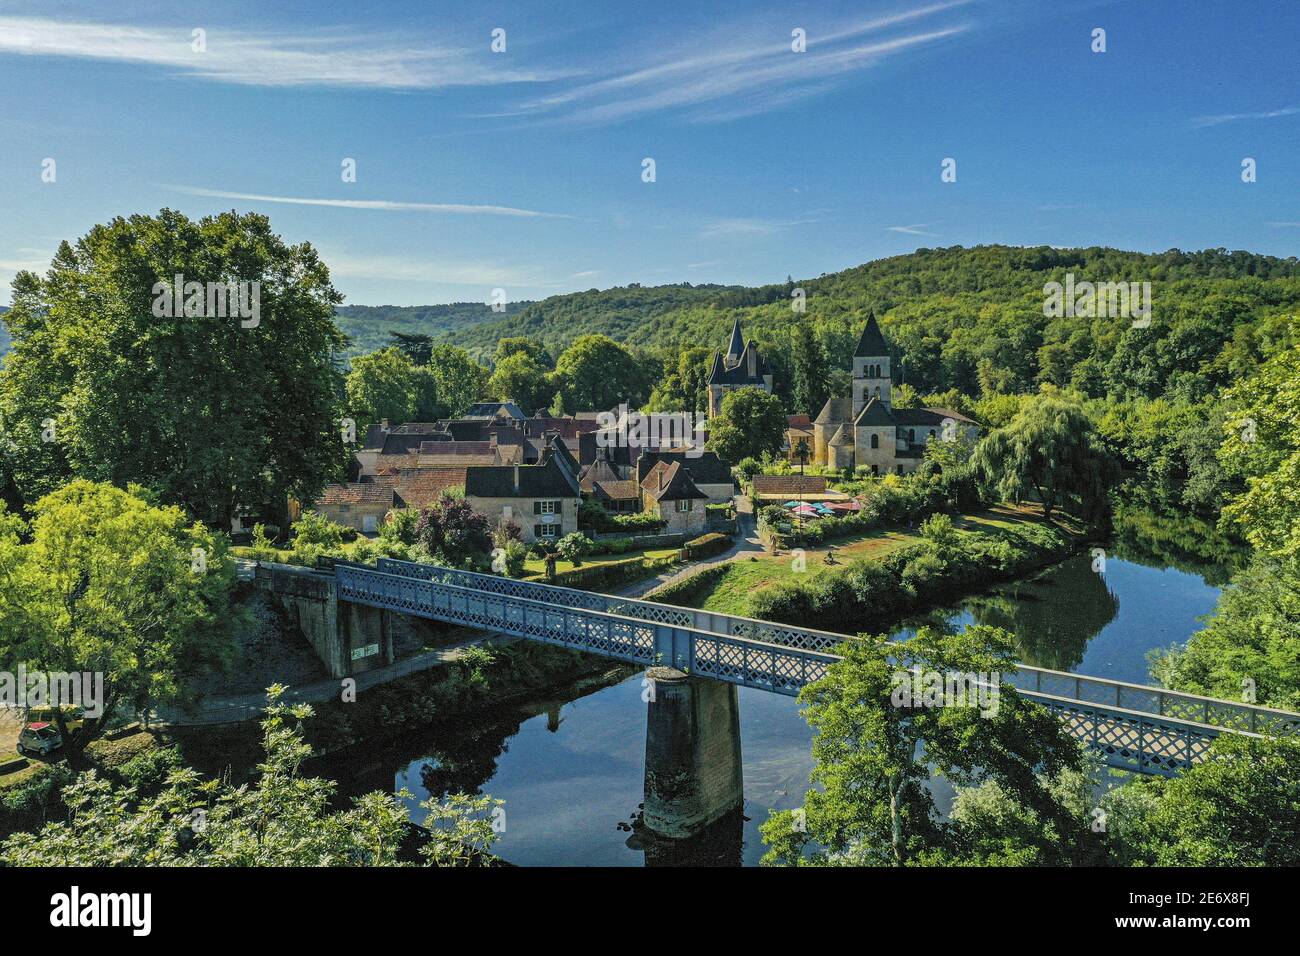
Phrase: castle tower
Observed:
(872, 376)
(741, 366)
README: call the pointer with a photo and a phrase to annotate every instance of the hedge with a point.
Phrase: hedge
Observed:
(707, 545)
(610, 575)
(867, 594)
(685, 591)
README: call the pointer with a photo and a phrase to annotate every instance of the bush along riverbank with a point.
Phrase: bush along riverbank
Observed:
(871, 595)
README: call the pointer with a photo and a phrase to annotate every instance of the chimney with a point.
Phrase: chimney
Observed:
(753, 360)
(516, 478)
(384, 424)
(492, 440)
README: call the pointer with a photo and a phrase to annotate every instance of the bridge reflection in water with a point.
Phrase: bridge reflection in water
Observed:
(693, 743)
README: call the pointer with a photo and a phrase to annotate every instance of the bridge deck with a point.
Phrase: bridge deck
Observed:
(1134, 726)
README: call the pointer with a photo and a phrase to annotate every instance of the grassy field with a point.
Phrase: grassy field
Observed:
(747, 576)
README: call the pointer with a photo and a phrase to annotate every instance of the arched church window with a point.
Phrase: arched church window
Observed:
(877, 391)
(875, 441)
(911, 434)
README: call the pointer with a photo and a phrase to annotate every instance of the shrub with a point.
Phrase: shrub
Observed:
(509, 559)
(400, 526)
(574, 547)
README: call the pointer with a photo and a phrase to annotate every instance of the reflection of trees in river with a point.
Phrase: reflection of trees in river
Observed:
(1163, 537)
(1053, 616)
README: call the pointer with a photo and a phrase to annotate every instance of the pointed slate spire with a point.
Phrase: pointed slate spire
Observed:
(737, 346)
(872, 344)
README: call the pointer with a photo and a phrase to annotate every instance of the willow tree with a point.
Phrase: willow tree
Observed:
(1048, 451)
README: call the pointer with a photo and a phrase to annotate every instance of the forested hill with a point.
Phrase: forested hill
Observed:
(624, 313)
(958, 314)
(369, 326)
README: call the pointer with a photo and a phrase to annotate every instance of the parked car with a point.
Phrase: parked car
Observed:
(39, 739)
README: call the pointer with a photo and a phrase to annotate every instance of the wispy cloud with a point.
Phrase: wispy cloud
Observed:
(329, 57)
(725, 78)
(916, 229)
(733, 228)
(386, 204)
(1216, 120)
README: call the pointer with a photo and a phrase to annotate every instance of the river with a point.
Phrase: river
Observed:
(570, 770)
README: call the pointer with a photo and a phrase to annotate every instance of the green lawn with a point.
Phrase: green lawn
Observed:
(749, 575)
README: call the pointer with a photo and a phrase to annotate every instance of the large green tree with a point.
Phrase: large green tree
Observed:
(383, 385)
(111, 584)
(751, 425)
(875, 750)
(1050, 451)
(595, 373)
(459, 381)
(1262, 447)
(212, 412)
(811, 371)
(521, 378)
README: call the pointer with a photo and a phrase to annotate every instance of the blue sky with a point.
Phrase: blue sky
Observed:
(523, 169)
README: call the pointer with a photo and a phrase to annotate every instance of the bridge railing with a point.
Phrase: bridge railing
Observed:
(1138, 698)
(703, 653)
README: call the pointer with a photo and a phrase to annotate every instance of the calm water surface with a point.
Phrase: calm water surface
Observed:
(571, 770)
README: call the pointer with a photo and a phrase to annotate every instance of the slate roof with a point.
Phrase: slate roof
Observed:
(548, 480)
(493, 409)
(737, 344)
(738, 374)
(843, 435)
(600, 470)
(670, 482)
(836, 410)
(875, 413)
(707, 469)
(929, 416)
(872, 344)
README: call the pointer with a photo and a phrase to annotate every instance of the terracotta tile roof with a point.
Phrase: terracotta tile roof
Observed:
(802, 422)
(789, 484)
(616, 490)
(356, 493)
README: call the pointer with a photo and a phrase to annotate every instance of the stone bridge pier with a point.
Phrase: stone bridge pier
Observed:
(348, 638)
(693, 771)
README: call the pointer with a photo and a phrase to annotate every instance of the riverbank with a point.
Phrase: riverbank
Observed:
(879, 578)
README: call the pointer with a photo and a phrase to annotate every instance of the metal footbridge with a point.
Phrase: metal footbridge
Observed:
(1134, 726)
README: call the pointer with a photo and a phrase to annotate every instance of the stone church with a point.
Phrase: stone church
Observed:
(864, 430)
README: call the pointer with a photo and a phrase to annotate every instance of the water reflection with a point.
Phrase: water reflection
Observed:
(571, 767)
